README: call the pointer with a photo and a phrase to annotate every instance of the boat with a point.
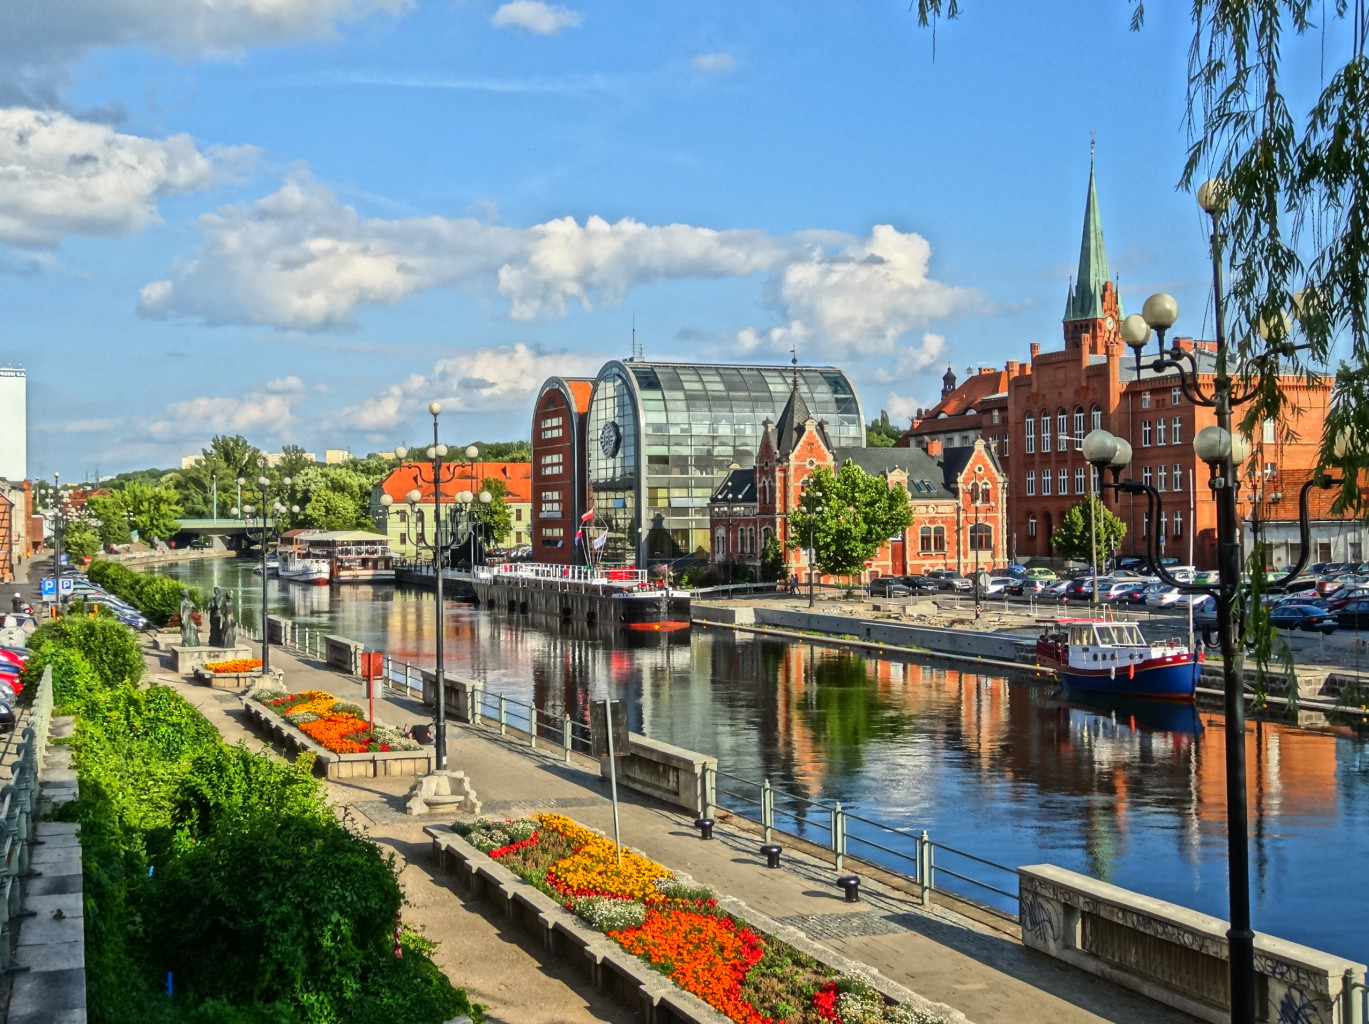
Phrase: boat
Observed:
(624, 597)
(322, 557)
(1106, 657)
(272, 567)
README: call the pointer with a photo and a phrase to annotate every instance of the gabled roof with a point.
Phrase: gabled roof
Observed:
(926, 477)
(977, 387)
(737, 488)
(582, 388)
(789, 427)
(517, 477)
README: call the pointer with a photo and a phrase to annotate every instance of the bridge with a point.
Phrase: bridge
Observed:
(223, 533)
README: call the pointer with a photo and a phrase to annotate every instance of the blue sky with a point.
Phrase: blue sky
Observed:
(302, 220)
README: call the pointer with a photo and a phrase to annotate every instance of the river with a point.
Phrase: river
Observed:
(1013, 773)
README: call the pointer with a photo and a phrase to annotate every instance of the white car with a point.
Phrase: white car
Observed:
(1171, 597)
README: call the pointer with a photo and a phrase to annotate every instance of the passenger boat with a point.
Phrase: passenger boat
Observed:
(321, 557)
(624, 597)
(1112, 658)
(272, 567)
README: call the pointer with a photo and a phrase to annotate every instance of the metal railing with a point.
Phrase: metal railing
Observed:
(571, 573)
(18, 807)
(907, 852)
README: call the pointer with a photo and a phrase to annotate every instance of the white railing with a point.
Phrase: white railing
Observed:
(18, 805)
(564, 573)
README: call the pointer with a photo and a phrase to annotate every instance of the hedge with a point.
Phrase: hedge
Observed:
(219, 873)
(157, 597)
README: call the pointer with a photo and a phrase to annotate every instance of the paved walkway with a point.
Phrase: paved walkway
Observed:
(942, 955)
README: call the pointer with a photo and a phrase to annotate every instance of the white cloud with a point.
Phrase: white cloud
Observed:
(535, 16)
(60, 176)
(39, 39)
(301, 259)
(713, 63)
(265, 410)
(478, 380)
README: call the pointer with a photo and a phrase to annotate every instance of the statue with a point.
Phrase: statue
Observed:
(230, 621)
(216, 618)
(190, 633)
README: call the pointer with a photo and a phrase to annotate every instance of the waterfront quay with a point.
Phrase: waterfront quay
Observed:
(1014, 773)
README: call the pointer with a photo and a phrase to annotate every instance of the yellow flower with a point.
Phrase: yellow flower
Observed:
(593, 869)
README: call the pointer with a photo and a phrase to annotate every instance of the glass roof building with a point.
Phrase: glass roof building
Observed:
(660, 436)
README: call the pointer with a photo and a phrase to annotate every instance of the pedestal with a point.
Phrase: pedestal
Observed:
(190, 658)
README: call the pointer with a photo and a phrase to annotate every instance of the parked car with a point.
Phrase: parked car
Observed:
(888, 586)
(1131, 591)
(1330, 584)
(1040, 572)
(1030, 586)
(1119, 590)
(1170, 597)
(949, 579)
(997, 585)
(1058, 589)
(1303, 616)
(1354, 615)
(1345, 595)
(1015, 571)
(1132, 562)
(1315, 602)
(920, 584)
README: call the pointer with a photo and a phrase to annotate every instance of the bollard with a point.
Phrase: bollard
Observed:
(838, 835)
(772, 855)
(924, 867)
(503, 716)
(565, 735)
(850, 884)
(768, 809)
(705, 827)
(532, 726)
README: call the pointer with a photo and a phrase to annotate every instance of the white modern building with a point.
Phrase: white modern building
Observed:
(14, 433)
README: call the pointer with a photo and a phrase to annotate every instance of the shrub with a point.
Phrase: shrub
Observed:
(109, 647)
(157, 597)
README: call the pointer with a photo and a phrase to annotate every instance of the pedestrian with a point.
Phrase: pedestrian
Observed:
(16, 603)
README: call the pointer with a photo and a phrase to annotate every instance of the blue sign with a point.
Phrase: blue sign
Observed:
(49, 588)
(64, 559)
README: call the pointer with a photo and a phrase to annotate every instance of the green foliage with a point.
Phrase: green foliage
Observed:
(155, 510)
(851, 515)
(227, 458)
(496, 516)
(881, 433)
(157, 597)
(1072, 538)
(227, 869)
(111, 517)
(79, 540)
(772, 560)
(110, 648)
(504, 451)
(329, 510)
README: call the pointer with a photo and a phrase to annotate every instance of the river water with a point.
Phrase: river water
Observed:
(1133, 795)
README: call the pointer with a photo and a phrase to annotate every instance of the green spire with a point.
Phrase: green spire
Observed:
(1086, 299)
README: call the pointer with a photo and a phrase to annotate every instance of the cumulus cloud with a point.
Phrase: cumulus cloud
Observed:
(60, 176)
(266, 409)
(482, 379)
(301, 259)
(713, 63)
(536, 17)
(39, 39)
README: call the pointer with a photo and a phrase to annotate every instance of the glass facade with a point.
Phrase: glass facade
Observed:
(661, 436)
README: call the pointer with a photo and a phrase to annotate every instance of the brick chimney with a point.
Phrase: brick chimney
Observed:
(933, 447)
(1013, 368)
(1036, 349)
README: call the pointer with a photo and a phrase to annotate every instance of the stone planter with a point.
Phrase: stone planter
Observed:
(226, 680)
(188, 659)
(333, 765)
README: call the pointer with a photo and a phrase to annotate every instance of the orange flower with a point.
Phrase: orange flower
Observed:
(593, 869)
(343, 734)
(234, 665)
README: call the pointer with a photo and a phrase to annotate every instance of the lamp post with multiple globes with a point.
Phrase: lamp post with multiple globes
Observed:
(263, 538)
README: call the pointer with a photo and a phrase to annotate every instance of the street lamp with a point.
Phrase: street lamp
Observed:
(1223, 451)
(264, 539)
(57, 537)
(214, 491)
(813, 513)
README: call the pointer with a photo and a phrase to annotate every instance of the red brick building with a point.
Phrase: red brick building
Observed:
(558, 468)
(1037, 422)
(957, 497)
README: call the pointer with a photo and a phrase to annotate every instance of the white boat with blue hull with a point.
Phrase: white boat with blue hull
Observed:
(1101, 656)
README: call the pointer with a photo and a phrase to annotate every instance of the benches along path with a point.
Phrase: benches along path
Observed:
(942, 955)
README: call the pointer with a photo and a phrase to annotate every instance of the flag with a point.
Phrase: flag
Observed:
(599, 541)
(587, 516)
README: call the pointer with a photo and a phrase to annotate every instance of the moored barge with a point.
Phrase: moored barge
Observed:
(623, 597)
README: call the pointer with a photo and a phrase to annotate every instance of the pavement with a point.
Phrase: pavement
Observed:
(972, 965)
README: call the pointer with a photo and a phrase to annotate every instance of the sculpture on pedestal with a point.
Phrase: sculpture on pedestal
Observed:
(190, 633)
(230, 621)
(216, 618)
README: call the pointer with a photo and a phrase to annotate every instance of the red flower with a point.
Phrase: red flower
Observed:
(825, 1002)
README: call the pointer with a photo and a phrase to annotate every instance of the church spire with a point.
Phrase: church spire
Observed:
(1086, 300)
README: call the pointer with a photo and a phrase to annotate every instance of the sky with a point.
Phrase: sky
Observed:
(304, 220)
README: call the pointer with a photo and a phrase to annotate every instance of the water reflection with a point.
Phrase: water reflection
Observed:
(1132, 793)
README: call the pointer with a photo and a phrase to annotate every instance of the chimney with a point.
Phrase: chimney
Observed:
(1036, 349)
(1014, 368)
(987, 369)
(933, 447)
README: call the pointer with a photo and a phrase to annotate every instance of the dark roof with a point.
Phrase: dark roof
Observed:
(738, 487)
(789, 429)
(926, 477)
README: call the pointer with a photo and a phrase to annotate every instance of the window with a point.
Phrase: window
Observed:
(1268, 431)
(1097, 418)
(924, 540)
(1178, 478)
(1031, 433)
(551, 506)
(1004, 449)
(1064, 480)
(1097, 482)
(1045, 481)
(1145, 524)
(550, 432)
(1174, 398)
(720, 541)
(1145, 434)
(1045, 431)
(1178, 524)
(1159, 431)
(1146, 476)
(1078, 427)
(1164, 524)
(550, 421)
(518, 515)
(1031, 483)
(1079, 480)
(1176, 431)
(1271, 470)
(939, 538)
(552, 464)
(1062, 428)
(995, 415)
(1163, 485)
(1145, 399)
(553, 531)
(981, 537)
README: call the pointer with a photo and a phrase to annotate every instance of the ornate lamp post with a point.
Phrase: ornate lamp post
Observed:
(816, 510)
(1223, 451)
(264, 539)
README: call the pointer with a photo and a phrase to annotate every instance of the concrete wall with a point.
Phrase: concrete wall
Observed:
(669, 773)
(343, 654)
(1173, 955)
(1003, 646)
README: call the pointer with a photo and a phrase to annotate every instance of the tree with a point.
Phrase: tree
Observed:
(293, 461)
(111, 517)
(1073, 539)
(772, 559)
(881, 433)
(155, 510)
(1294, 228)
(503, 451)
(330, 510)
(851, 515)
(496, 517)
(79, 540)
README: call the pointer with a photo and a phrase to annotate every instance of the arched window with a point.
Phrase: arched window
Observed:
(1045, 431)
(1031, 434)
(939, 538)
(766, 534)
(1031, 524)
(418, 527)
(1079, 426)
(1097, 418)
(1062, 430)
(720, 542)
(981, 537)
(751, 540)
(924, 541)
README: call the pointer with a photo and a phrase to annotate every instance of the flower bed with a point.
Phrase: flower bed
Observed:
(678, 928)
(337, 725)
(236, 665)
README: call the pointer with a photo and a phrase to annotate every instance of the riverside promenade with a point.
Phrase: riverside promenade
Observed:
(975, 967)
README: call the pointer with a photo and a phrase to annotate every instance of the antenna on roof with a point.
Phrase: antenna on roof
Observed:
(637, 353)
(794, 361)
